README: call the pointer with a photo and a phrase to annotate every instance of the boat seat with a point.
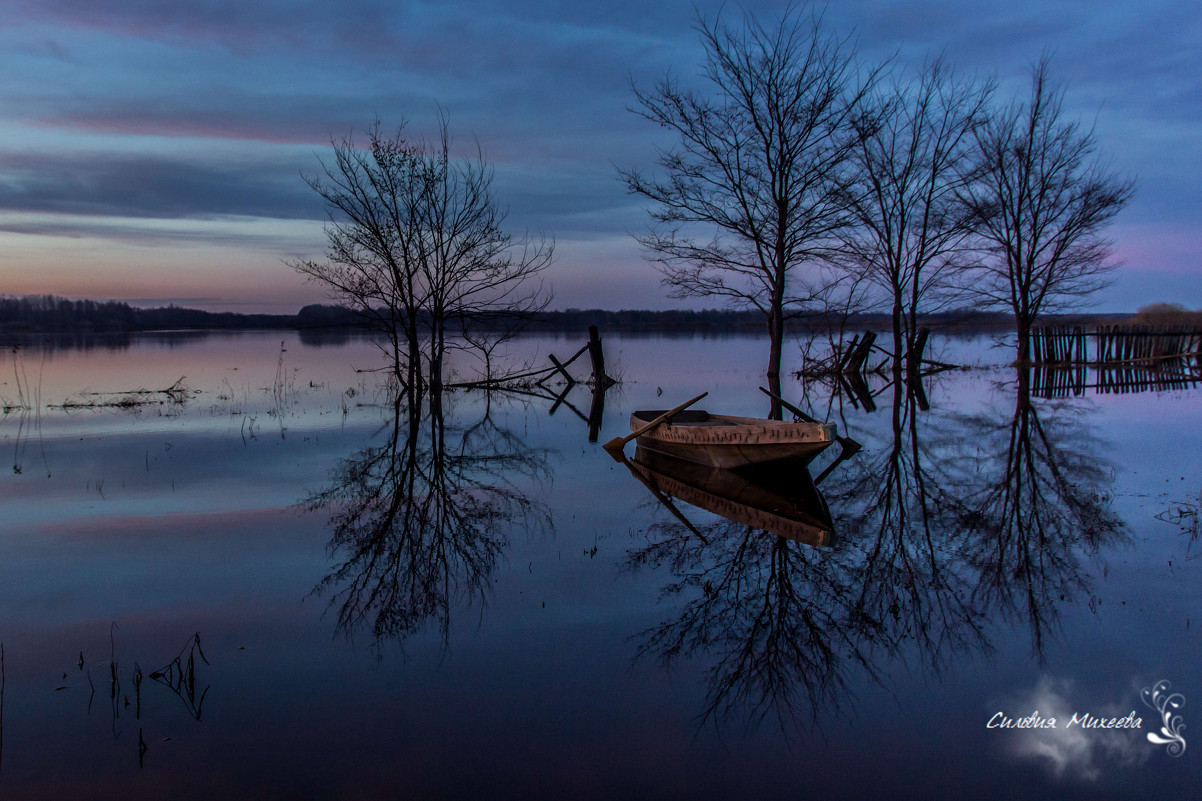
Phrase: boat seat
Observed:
(685, 417)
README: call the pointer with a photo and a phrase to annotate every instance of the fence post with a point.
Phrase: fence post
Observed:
(597, 355)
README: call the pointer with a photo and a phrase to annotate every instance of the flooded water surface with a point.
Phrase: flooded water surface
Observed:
(240, 566)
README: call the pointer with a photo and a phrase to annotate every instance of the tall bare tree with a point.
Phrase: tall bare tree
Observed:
(912, 160)
(478, 275)
(417, 244)
(748, 198)
(1040, 204)
(375, 250)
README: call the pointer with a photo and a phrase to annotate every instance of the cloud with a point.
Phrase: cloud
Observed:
(291, 239)
(150, 186)
(1070, 754)
(555, 200)
(229, 22)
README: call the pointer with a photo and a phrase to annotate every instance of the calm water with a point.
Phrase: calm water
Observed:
(275, 583)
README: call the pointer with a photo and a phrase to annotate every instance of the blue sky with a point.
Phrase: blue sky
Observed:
(152, 151)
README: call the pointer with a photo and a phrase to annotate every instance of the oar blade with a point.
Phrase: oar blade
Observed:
(616, 444)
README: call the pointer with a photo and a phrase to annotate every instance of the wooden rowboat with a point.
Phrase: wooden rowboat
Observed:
(729, 442)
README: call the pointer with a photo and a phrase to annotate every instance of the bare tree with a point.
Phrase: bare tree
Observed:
(373, 259)
(480, 278)
(912, 161)
(1040, 203)
(748, 199)
(417, 245)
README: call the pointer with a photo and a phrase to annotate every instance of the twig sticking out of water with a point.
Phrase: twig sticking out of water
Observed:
(29, 399)
(179, 676)
(138, 692)
(2, 683)
(22, 381)
(177, 394)
(279, 386)
(114, 679)
(1187, 515)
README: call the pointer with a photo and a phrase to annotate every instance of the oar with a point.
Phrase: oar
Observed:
(660, 496)
(615, 445)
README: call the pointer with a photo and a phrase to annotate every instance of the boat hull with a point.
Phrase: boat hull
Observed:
(729, 442)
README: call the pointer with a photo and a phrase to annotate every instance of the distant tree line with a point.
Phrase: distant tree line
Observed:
(51, 314)
(37, 313)
(1172, 315)
(48, 313)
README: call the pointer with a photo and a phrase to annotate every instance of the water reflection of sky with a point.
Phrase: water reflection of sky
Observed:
(182, 523)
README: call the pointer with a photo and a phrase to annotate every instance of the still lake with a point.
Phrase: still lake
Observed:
(231, 591)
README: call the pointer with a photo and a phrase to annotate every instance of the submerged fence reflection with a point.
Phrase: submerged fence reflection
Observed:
(1062, 381)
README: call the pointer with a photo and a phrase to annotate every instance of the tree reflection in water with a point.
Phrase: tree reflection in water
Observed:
(893, 502)
(1046, 510)
(420, 521)
(771, 611)
(946, 525)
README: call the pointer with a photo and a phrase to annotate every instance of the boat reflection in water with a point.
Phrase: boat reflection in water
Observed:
(779, 498)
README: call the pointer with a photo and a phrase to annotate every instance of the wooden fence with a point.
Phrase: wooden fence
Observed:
(1114, 345)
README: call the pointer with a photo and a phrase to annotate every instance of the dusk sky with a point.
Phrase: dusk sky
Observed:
(151, 151)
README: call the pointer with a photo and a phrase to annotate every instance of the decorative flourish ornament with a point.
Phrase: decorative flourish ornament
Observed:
(1167, 704)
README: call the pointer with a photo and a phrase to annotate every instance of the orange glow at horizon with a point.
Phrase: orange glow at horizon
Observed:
(213, 275)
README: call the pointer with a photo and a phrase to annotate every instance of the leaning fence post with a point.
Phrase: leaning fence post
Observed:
(562, 369)
(856, 363)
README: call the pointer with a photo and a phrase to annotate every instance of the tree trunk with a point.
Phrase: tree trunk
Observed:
(899, 343)
(436, 349)
(1023, 395)
(776, 336)
(1024, 340)
(413, 359)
